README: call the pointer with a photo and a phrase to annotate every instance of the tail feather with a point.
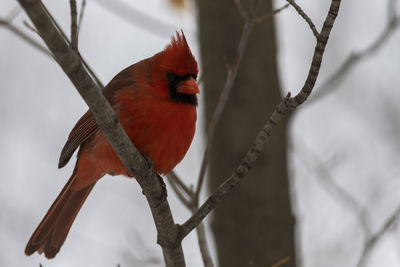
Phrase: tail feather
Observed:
(51, 233)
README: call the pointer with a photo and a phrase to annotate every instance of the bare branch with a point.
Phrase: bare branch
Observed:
(174, 177)
(25, 37)
(377, 237)
(331, 84)
(327, 182)
(61, 32)
(284, 107)
(106, 119)
(305, 17)
(34, 43)
(74, 26)
(179, 191)
(30, 27)
(269, 15)
(245, 15)
(242, 11)
(350, 203)
(187, 196)
(13, 13)
(83, 5)
(203, 244)
(391, 9)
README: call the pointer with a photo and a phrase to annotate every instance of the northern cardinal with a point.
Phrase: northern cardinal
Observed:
(155, 101)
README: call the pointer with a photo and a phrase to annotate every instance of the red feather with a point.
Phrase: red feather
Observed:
(160, 127)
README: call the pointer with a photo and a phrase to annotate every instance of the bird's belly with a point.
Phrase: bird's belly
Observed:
(165, 138)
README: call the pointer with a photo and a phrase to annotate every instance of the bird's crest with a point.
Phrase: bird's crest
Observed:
(177, 56)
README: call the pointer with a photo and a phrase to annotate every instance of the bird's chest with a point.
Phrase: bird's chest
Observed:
(161, 130)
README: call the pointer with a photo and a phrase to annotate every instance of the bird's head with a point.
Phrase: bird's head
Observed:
(177, 71)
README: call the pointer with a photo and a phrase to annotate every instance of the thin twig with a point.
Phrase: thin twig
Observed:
(83, 5)
(350, 203)
(241, 10)
(61, 32)
(203, 244)
(377, 237)
(327, 182)
(183, 197)
(74, 26)
(30, 27)
(305, 17)
(25, 37)
(331, 84)
(13, 14)
(186, 196)
(175, 179)
(269, 15)
(391, 9)
(284, 107)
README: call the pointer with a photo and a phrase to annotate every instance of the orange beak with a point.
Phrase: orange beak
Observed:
(188, 87)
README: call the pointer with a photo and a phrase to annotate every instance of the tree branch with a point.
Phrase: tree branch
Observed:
(74, 26)
(330, 85)
(284, 107)
(305, 17)
(350, 203)
(7, 24)
(177, 185)
(374, 239)
(327, 182)
(83, 5)
(269, 15)
(106, 119)
(203, 244)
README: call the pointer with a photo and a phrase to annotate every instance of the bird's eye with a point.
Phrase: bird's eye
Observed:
(171, 77)
(194, 77)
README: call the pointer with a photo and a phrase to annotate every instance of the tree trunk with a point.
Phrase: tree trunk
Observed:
(254, 225)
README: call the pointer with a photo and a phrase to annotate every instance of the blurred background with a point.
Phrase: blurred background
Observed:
(326, 189)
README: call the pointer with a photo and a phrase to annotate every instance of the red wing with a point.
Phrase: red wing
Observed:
(84, 128)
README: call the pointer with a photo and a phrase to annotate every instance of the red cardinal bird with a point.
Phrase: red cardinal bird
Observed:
(155, 101)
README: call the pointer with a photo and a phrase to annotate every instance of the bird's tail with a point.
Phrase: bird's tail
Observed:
(51, 233)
